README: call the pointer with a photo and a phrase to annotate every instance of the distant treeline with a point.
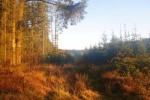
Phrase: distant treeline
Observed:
(106, 52)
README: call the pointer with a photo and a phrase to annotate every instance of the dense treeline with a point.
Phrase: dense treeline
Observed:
(25, 26)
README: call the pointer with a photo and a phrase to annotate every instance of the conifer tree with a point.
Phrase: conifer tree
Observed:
(13, 24)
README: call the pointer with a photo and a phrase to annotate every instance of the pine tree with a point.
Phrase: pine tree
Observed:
(13, 24)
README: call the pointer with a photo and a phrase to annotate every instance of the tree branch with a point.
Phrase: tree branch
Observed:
(48, 2)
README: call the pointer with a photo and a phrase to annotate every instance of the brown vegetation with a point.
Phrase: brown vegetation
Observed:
(43, 82)
(68, 82)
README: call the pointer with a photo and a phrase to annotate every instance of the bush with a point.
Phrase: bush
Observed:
(126, 86)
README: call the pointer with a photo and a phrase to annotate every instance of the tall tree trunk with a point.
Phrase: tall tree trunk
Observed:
(19, 30)
(13, 31)
(3, 19)
(1, 15)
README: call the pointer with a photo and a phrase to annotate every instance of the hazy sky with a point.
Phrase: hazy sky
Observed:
(107, 15)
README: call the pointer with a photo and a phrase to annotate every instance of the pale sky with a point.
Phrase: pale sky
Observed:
(107, 15)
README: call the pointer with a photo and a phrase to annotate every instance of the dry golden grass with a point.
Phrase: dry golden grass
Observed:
(45, 82)
(48, 82)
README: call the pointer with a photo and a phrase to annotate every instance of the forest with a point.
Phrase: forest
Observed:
(32, 67)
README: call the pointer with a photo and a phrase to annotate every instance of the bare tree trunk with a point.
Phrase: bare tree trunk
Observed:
(13, 31)
(3, 19)
(1, 38)
(19, 30)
